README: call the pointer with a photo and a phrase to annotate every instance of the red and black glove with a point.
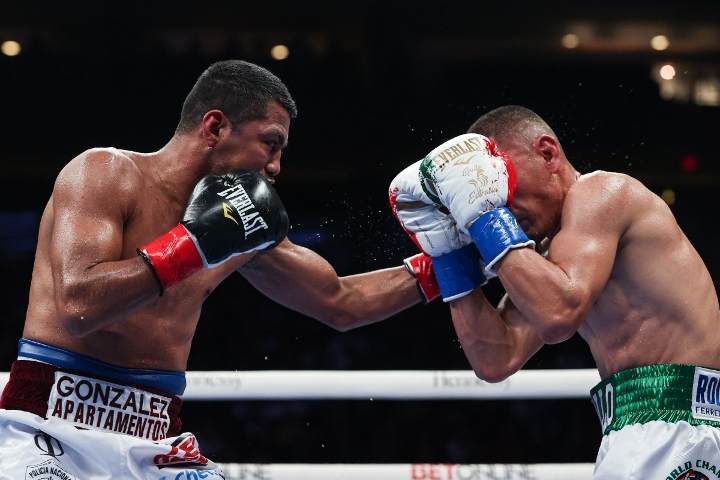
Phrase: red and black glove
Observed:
(228, 214)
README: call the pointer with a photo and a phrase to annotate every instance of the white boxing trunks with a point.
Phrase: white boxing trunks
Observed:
(64, 416)
(660, 422)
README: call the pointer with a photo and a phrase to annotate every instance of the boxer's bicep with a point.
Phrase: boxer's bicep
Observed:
(586, 245)
(556, 293)
(88, 220)
(526, 339)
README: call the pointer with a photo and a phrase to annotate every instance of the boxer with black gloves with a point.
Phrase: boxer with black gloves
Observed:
(228, 214)
(197, 210)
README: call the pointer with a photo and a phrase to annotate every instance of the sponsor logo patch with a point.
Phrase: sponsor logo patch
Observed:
(184, 452)
(604, 401)
(706, 394)
(47, 470)
(100, 405)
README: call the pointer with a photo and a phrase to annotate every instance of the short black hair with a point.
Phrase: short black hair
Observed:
(509, 121)
(241, 90)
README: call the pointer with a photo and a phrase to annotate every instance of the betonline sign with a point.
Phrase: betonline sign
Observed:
(470, 472)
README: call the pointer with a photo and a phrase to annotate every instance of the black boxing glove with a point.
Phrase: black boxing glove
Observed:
(228, 214)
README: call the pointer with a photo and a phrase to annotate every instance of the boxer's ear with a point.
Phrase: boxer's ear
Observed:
(213, 124)
(549, 149)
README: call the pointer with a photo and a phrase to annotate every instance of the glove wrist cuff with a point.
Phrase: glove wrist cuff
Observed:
(172, 257)
(495, 233)
(459, 272)
(421, 267)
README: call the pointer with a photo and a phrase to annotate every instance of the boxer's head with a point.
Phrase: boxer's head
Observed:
(242, 112)
(541, 167)
(241, 90)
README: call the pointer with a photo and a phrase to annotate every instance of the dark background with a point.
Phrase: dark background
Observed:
(378, 85)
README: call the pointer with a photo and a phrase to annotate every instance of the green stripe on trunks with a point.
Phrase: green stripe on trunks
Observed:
(640, 395)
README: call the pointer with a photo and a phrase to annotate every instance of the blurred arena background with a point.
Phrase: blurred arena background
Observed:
(629, 86)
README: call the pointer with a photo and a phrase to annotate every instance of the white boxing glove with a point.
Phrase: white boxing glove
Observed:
(476, 181)
(433, 231)
(468, 175)
(455, 260)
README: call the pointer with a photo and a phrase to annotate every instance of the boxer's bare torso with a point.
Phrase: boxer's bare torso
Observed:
(92, 294)
(134, 210)
(658, 304)
(619, 271)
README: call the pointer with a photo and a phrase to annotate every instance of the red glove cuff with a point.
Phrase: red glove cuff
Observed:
(173, 257)
(421, 267)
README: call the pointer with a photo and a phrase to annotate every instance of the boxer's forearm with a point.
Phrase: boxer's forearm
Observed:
(545, 293)
(90, 299)
(302, 280)
(496, 342)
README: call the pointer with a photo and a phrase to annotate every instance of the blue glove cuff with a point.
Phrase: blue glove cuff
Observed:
(495, 233)
(458, 272)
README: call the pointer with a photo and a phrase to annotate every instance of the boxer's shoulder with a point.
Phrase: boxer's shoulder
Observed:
(105, 167)
(619, 203)
(604, 198)
(105, 157)
(604, 189)
(611, 182)
(103, 180)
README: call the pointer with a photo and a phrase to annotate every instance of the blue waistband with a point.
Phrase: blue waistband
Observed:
(165, 380)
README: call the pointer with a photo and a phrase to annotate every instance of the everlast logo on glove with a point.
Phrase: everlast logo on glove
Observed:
(238, 198)
(472, 144)
(208, 234)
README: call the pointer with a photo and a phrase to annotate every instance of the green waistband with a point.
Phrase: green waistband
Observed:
(655, 392)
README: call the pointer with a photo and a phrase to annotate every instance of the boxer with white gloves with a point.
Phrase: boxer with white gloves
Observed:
(455, 261)
(617, 270)
(476, 182)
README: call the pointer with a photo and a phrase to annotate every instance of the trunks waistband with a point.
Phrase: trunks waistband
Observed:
(104, 397)
(165, 380)
(667, 392)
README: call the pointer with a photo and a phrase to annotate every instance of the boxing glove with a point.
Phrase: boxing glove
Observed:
(449, 263)
(227, 214)
(471, 177)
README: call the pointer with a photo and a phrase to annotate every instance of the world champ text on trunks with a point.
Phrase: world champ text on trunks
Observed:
(99, 405)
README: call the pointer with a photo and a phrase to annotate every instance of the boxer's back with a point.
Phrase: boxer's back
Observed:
(659, 304)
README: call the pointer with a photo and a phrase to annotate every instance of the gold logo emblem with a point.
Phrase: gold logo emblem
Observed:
(226, 212)
(480, 180)
(464, 161)
(480, 183)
